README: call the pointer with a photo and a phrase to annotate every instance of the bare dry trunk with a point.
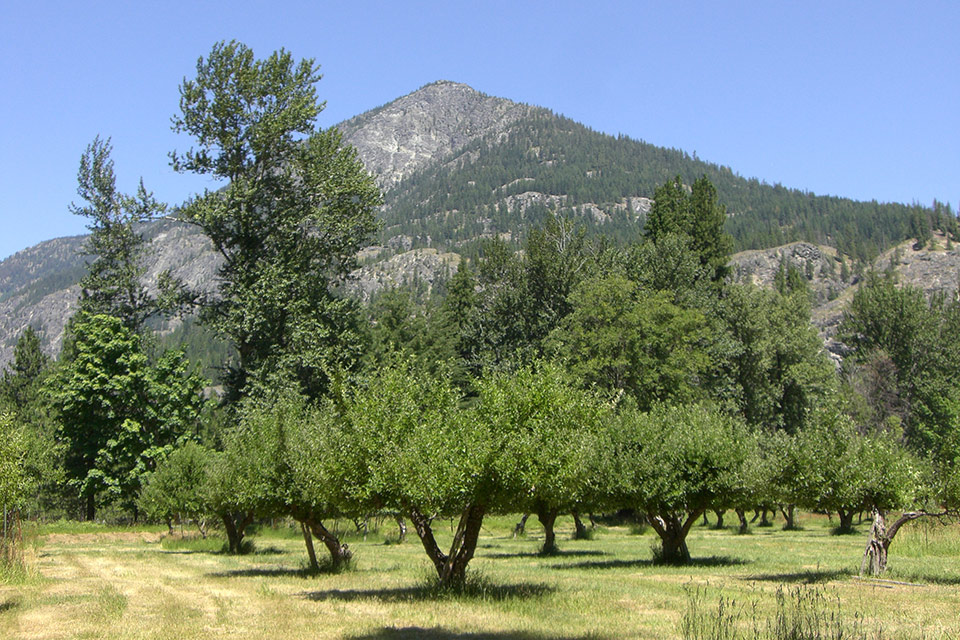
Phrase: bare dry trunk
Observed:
(521, 526)
(875, 554)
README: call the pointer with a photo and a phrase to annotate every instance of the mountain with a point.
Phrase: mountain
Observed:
(457, 166)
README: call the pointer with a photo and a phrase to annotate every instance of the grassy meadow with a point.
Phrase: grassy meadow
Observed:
(87, 581)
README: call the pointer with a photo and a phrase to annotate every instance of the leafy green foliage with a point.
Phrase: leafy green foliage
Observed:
(909, 358)
(176, 487)
(112, 285)
(118, 415)
(673, 463)
(622, 337)
(13, 477)
(297, 207)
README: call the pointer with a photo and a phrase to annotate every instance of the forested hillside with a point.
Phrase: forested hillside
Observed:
(506, 181)
(458, 167)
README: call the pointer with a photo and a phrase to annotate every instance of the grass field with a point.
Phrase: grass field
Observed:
(96, 582)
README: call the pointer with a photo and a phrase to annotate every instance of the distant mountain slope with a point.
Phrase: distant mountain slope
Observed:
(458, 166)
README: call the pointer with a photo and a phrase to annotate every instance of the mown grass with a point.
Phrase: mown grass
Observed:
(125, 586)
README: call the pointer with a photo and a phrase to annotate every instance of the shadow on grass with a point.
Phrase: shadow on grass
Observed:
(535, 553)
(277, 572)
(9, 605)
(710, 561)
(412, 633)
(433, 592)
(918, 578)
(802, 577)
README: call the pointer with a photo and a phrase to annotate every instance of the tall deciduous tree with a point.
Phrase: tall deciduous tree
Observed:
(296, 206)
(112, 285)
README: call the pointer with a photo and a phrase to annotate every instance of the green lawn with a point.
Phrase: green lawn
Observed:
(132, 583)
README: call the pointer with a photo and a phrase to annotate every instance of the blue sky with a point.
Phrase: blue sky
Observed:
(853, 99)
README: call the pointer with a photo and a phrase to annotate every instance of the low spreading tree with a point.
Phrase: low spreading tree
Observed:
(175, 490)
(675, 462)
(278, 453)
(406, 445)
(548, 461)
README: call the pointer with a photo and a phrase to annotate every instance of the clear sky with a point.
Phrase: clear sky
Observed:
(858, 99)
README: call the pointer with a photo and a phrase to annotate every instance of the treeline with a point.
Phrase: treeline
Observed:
(462, 197)
(577, 375)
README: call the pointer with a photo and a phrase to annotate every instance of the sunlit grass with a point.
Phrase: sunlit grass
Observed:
(144, 586)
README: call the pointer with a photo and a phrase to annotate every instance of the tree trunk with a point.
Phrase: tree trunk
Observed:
(402, 525)
(339, 553)
(548, 519)
(521, 526)
(744, 525)
(788, 512)
(235, 524)
(875, 554)
(579, 531)
(673, 535)
(91, 510)
(764, 522)
(451, 568)
(756, 514)
(719, 513)
(308, 540)
(846, 520)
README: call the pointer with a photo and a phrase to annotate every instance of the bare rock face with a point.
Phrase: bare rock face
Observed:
(420, 265)
(820, 265)
(398, 138)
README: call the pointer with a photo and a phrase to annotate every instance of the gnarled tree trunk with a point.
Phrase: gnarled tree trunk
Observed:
(339, 553)
(719, 513)
(402, 525)
(875, 555)
(846, 520)
(235, 524)
(521, 526)
(579, 531)
(789, 515)
(673, 534)
(744, 525)
(451, 567)
(308, 540)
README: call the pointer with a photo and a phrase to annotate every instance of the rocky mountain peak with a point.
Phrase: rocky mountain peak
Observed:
(404, 135)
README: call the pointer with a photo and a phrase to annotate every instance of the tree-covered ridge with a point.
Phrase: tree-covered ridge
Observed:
(469, 193)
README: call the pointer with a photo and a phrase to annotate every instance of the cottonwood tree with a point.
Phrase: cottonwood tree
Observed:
(621, 337)
(112, 285)
(294, 207)
(675, 462)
